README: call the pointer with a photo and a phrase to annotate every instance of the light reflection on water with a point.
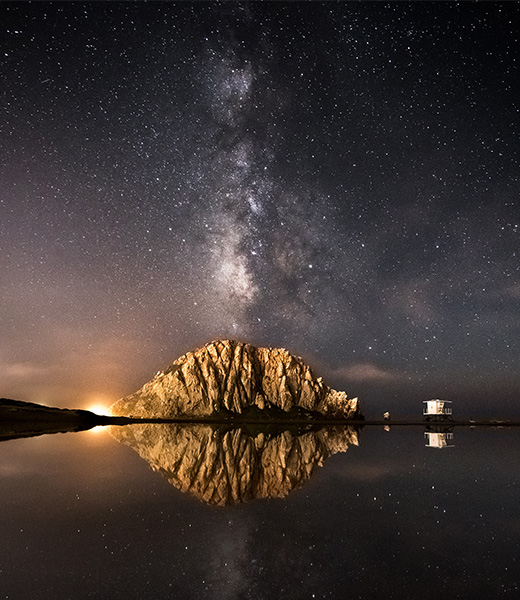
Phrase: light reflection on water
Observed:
(83, 516)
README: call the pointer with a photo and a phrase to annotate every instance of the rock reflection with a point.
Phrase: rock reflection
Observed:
(225, 466)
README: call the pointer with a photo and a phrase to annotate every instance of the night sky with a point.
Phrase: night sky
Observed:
(338, 178)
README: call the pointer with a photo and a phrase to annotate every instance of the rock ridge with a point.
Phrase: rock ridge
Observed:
(227, 377)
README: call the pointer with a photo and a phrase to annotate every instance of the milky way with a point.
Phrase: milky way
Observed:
(337, 178)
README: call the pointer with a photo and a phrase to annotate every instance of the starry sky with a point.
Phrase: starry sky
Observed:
(338, 178)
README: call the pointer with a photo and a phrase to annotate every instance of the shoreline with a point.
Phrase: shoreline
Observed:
(25, 419)
(356, 422)
(33, 427)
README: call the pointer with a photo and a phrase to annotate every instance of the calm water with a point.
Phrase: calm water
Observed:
(83, 515)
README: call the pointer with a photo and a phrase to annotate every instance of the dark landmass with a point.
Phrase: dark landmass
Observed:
(227, 379)
(16, 410)
(26, 419)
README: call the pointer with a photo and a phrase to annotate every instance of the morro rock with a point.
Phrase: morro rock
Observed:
(231, 379)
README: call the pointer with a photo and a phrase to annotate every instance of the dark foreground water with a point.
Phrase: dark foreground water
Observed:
(83, 515)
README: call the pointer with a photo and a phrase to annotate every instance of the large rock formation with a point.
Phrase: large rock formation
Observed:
(225, 466)
(229, 378)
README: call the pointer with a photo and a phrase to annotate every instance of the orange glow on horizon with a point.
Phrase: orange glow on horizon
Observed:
(99, 409)
(99, 404)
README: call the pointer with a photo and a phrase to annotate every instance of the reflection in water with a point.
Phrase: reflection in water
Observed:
(226, 466)
(439, 436)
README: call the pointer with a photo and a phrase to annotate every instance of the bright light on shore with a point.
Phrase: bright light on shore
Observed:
(99, 409)
(98, 403)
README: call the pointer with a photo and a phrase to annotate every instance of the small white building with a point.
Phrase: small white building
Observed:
(438, 439)
(438, 410)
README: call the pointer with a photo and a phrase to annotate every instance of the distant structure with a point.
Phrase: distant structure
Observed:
(438, 439)
(386, 416)
(441, 433)
(437, 410)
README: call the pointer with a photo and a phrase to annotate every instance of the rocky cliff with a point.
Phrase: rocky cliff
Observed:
(226, 466)
(229, 378)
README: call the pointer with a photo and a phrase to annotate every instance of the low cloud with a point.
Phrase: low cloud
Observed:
(19, 370)
(368, 372)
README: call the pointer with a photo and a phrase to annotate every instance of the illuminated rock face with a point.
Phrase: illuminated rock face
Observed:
(232, 378)
(224, 466)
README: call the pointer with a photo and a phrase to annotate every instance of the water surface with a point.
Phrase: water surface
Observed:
(85, 516)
